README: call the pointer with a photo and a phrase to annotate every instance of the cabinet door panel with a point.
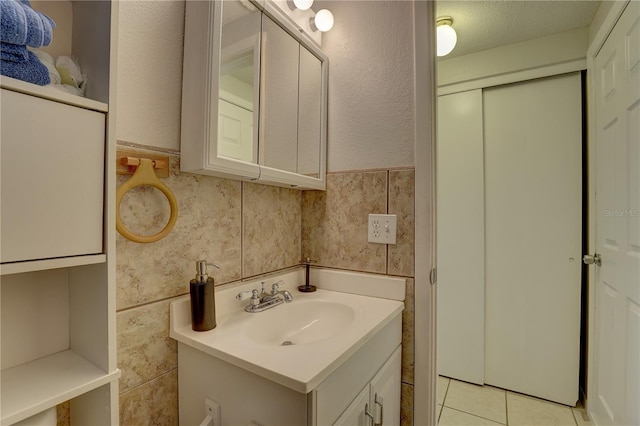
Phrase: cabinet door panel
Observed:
(355, 415)
(309, 114)
(278, 143)
(51, 179)
(385, 391)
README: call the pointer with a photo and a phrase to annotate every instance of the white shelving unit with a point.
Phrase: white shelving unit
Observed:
(44, 383)
(57, 316)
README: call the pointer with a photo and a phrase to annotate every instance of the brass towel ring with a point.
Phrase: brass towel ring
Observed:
(145, 176)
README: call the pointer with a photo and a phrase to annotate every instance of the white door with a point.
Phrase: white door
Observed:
(614, 399)
(533, 236)
(460, 233)
(235, 131)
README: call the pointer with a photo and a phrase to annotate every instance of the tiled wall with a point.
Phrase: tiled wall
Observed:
(248, 229)
(245, 228)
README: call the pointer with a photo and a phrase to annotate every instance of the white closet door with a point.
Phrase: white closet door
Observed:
(460, 245)
(533, 196)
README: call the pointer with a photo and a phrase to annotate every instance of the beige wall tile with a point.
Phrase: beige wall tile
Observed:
(154, 403)
(63, 414)
(271, 228)
(401, 203)
(208, 227)
(145, 350)
(334, 224)
(248, 229)
(406, 405)
(408, 333)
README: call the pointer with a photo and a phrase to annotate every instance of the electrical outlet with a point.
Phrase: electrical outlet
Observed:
(383, 228)
(212, 408)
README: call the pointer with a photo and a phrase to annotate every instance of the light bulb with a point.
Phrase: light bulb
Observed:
(323, 20)
(302, 4)
(446, 37)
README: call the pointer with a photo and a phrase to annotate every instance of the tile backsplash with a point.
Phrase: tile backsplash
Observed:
(249, 230)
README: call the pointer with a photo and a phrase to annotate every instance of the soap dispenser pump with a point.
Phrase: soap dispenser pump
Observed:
(203, 301)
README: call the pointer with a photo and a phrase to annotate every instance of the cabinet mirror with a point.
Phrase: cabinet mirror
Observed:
(254, 96)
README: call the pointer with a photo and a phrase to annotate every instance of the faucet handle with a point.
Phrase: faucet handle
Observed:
(243, 295)
(308, 261)
(276, 286)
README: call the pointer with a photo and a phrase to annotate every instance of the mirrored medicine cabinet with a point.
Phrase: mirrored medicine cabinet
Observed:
(254, 101)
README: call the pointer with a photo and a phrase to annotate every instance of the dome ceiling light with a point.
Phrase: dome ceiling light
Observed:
(446, 36)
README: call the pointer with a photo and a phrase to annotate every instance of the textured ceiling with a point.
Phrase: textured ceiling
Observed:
(486, 24)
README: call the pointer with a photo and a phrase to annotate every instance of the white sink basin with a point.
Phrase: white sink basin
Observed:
(323, 328)
(300, 322)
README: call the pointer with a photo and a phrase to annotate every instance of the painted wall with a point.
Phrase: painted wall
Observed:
(150, 72)
(255, 229)
(370, 51)
(598, 19)
(562, 48)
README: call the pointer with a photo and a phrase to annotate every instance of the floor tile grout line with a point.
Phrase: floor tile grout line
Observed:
(450, 381)
(474, 415)
(446, 391)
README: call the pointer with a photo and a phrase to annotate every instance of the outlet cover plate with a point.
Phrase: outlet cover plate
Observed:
(383, 228)
(212, 408)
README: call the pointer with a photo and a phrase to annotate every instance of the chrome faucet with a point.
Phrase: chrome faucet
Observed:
(261, 301)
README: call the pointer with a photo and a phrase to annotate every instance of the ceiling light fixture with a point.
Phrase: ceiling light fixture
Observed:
(446, 36)
(323, 21)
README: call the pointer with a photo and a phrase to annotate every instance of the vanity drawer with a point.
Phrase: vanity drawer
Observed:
(52, 179)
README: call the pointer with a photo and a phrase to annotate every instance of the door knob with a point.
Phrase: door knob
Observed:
(590, 260)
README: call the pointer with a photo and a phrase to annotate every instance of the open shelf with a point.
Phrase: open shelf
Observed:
(35, 386)
(51, 93)
(41, 265)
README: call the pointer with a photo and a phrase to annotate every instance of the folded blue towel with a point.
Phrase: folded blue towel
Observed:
(20, 24)
(13, 52)
(30, 70)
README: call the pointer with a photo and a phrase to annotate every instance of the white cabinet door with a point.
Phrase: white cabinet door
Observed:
(385, 392)
(52, 179)
(355, 414)
(380, 398)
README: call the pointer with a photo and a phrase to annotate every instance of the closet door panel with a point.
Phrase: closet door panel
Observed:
(460, 234)
(533, 232)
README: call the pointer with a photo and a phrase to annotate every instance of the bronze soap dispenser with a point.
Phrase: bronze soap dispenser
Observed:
(203, 300)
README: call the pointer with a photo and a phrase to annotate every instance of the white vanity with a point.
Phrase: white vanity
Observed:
(326, 358)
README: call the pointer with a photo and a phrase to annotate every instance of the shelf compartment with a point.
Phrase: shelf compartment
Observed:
(35, 386)
(41, 265)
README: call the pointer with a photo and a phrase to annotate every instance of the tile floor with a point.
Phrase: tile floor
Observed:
(464, 404)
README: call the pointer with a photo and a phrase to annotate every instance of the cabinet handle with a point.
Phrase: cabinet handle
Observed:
(368, 414)
(378, 400)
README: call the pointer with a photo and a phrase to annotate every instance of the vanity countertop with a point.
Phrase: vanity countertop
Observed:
(326, 328)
